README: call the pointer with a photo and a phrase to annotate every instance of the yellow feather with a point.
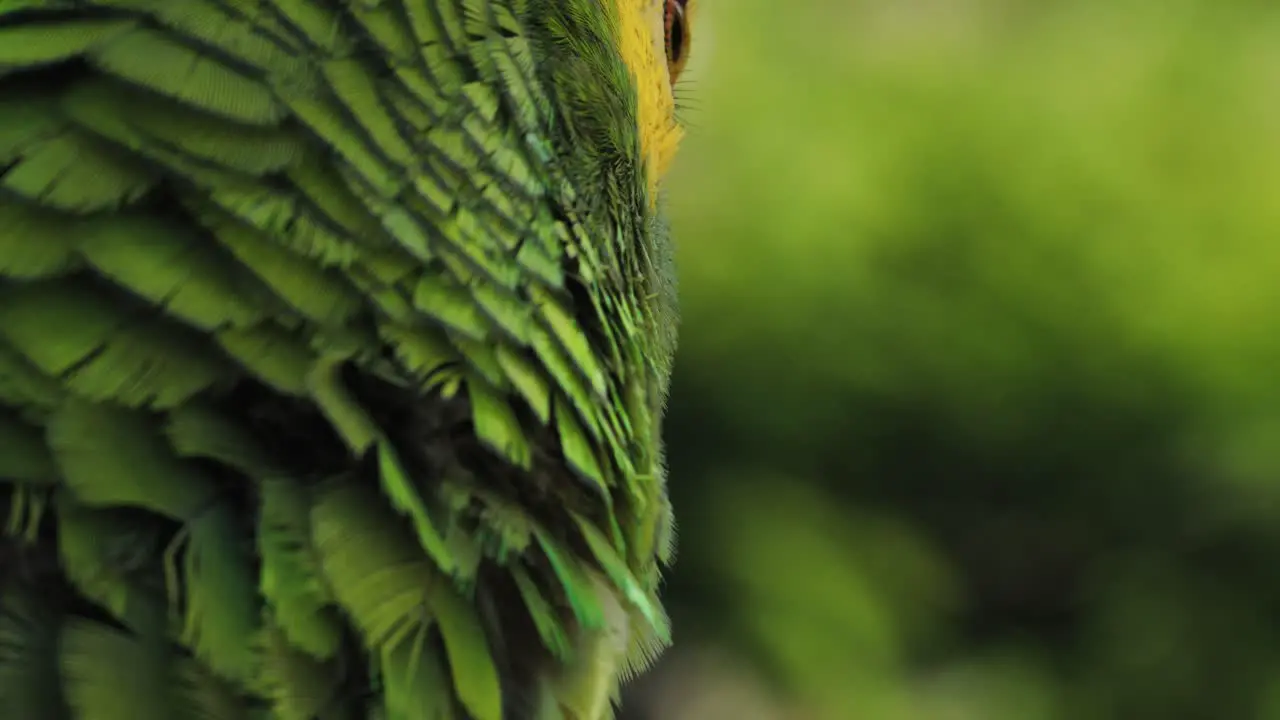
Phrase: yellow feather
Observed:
(642, 44)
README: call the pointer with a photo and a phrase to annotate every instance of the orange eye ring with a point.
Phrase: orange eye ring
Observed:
(676, 26)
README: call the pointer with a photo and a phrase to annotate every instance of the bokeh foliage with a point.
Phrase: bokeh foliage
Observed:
(977, 406)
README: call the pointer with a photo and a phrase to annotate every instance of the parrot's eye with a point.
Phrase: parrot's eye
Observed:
(677, 36)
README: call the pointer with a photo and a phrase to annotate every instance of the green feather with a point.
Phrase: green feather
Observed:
(251, 255)
(222, 607)
(272, 355)
(147, 58)
(497, 425)
(110, 561)
(28, 45)
(201, 694)
(403, 497)
(36, 244)
(475, 677)
(101, 349)
(72, 171)
(30, 685)
(111, 456)
(169, 266)
(24, 456)
(414, 681)
(109, 675)
(291, 580)
(298, 686)
(549, 626)
(374, 571)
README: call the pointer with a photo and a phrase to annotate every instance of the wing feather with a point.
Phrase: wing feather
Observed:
(243, 229)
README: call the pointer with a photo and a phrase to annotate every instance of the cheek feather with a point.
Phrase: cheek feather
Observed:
(642, 43)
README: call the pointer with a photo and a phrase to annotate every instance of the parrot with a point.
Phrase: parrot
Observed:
(335, 340)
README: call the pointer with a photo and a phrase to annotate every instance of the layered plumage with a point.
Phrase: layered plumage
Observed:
(334, 339)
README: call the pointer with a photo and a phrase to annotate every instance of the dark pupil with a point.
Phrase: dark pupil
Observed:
(675, 42)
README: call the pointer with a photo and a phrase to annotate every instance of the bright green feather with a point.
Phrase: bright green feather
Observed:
(334, 339)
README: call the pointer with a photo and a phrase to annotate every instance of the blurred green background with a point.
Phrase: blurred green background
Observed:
(977, 407)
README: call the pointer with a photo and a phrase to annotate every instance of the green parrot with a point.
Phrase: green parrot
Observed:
(335, 337)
